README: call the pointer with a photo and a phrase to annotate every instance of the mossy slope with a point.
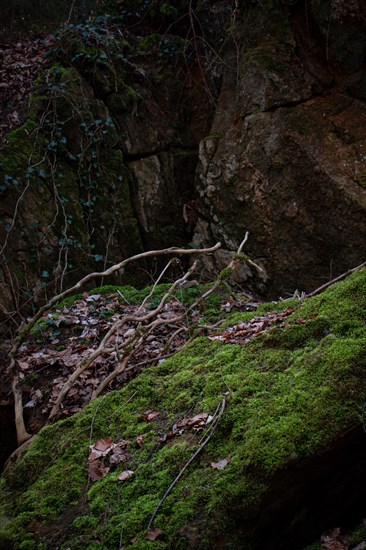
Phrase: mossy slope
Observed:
(290, 393)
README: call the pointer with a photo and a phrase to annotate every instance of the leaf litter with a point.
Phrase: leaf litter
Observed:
(20, 64)
(241, 333)
(71, 334)
(105, 455)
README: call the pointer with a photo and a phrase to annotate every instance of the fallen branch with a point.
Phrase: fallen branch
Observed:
(139, 337)
(24, 331)
(216, 418)
(335, 280)
(128, 344)
(144, 324)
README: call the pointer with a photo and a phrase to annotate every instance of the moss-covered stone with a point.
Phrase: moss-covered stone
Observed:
(61, 171)
(290, 393)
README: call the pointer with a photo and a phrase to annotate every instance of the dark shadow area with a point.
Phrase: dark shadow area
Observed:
(8, 436)
(320, 493)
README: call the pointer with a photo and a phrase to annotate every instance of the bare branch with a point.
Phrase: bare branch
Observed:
(102, 346)
(22, 434)
(241, 246)
(156, 283)
(216, 418)
(113, 269)
(335, 280)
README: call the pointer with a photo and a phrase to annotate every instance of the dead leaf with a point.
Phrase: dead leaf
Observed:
(123, 443)
(126, 474)
(333, 540)
(104, 445)
(153, 534)
(221, 464)
(150, 415)
(97, 470)
(139, 440)
(101, 448)
(198, 419)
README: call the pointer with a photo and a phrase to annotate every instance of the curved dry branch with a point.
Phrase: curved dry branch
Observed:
(24, 331)
(119, 370)
(131, 345)
(128, 344)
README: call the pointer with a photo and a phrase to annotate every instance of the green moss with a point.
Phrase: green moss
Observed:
(241, 257)
(289, 393)
(225, 274)
(69, 301)
(358, 535)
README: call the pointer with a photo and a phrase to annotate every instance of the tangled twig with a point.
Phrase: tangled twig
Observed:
(24, 331)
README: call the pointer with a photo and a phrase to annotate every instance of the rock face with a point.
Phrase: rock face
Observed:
(286, 158)
(102, 167)
(268, 100)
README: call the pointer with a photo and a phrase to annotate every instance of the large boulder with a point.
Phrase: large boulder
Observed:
(285, 158)
(280, 459)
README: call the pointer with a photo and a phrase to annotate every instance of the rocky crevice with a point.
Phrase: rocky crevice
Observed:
(281, 154)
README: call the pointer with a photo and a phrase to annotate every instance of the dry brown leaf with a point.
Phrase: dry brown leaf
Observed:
(333, 540)
(94, 455)
(221, 464)
(198, 419)
(126, 474)
(97, 470)
(101, 448)
(153, 534)
(104, 445)
(150, 415)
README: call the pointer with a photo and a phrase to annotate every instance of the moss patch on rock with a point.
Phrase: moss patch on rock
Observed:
(290, 393)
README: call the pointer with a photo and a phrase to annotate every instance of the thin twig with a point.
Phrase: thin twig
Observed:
(22, 434)
(155, 284)
(216, 419)
(241, 246)
(123, 297)
(70, 13)
(335, 280)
